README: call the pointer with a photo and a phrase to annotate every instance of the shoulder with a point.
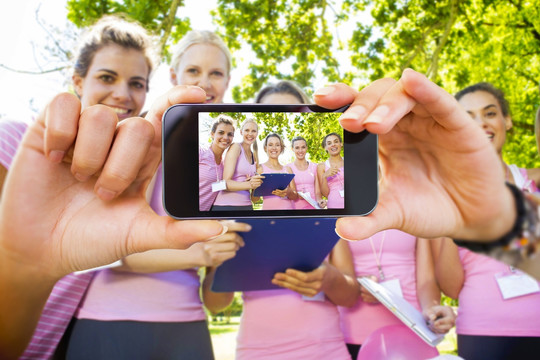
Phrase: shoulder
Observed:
(533, 174)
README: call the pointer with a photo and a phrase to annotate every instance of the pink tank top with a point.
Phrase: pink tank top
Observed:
(243, 169)
(483, 311)
(398, 260)
(305, 182)
(279, 324)
(171, 296)
(336, 184)
(274, 202)
(67, 292)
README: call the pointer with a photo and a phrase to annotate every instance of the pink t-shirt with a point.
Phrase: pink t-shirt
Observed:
(483, 311)
(274, 202)
(209, 172)
(305, 182)
(67, 292)
(336, 184)
(398, 260)
(242, 170)
(279, 324)
(171, 296)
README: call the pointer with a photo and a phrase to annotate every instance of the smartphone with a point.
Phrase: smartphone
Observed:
(187, 133)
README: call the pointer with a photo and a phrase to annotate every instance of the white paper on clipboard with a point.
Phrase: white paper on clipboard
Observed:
(309, 199)
(403, 310)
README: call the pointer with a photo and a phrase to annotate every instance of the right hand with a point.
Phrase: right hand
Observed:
(255, 181)
(331, 172)
(366, 296)
(224, 247)
(432, 156)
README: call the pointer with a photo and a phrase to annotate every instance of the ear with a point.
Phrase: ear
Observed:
(78, 84)
(173, 78)
(508, 123)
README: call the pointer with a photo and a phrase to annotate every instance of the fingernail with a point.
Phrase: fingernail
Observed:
(324, 91)
(223, 232)
(106, 194)
(376, 117)
(343, 237)
(356, 112)
(56, 156)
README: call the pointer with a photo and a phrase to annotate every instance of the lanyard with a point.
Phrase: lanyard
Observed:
(378, 256)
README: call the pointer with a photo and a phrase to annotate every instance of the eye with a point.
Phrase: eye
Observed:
(192, 71)
(108, 79)
(138, 85)
(217, 73)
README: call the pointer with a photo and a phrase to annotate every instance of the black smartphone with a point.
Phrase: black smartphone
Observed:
(201, 179)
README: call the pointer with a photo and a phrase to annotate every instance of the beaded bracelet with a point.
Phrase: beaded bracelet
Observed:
(521, 241)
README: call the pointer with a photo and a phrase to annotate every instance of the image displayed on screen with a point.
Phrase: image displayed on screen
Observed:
(271, 161)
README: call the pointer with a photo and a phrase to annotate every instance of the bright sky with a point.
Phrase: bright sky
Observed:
(22, 42)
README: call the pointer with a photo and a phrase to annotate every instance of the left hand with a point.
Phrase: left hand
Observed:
(304, 283)
(440, 318)
(280, 193)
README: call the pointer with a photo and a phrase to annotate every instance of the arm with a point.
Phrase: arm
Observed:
(336, 278)
(214, 301)
(318, 194)
(534, 175)
(229, 167)
(448, 268)
(322, 180)
(52, 222)
(440, 318)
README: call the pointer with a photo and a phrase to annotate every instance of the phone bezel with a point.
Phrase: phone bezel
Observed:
(180, 134)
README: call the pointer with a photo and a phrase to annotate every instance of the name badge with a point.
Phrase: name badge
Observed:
(317, 297)
(219, 185)
(342, 193)
(394, 286)
(516, 284)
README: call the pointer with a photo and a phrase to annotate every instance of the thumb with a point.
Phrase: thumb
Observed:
(163, 232)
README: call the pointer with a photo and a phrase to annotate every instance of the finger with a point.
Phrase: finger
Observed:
(97, 126)
(177, 95)
(127, 155)
(232, 226)
(151, 231)
(61, 120)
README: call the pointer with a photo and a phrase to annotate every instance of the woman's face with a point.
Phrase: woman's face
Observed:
(300, 149)
(203, 65)
(484, 108)
(249, 132)
(273, 147)
(223, 136)
(118, 78)
(332, 145)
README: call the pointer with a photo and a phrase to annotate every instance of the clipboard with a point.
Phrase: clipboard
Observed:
(274, 245)
(273, 181)
(403, 310)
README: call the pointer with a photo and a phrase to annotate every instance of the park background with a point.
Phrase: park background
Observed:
(314, 42)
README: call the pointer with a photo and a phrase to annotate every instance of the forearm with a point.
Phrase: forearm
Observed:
(24, 293)
(238, 185)
(214, 301)
(341, 289)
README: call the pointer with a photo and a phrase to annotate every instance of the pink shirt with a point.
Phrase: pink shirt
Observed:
(336, 184)
(67, 292)
(279, 324)
(483, 311)
(209, 172)
(274, 202)
(305, 182)
(398, 260)
(171, 296)
(238, 198)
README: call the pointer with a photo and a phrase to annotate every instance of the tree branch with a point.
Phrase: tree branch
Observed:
(434, 67)
(166, 25)
(28, 72)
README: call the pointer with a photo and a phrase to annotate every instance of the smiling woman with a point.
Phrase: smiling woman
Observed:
(113, 67)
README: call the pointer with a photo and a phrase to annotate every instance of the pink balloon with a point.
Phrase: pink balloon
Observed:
(395, 342)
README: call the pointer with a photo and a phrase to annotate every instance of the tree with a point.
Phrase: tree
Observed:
(458, 43)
